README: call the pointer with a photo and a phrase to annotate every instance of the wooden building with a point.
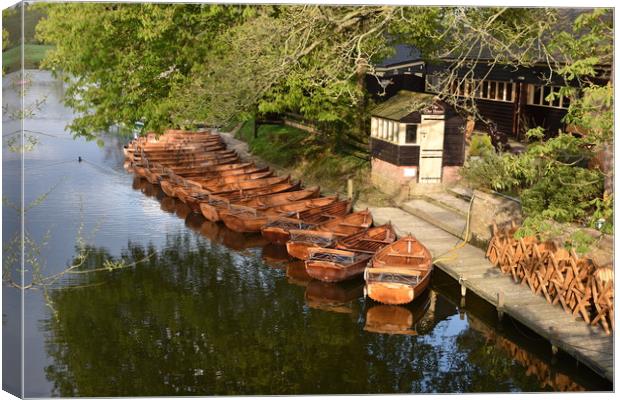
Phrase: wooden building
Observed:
(514, 98)
(415, 138)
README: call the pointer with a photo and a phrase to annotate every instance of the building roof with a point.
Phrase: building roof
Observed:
(403, 54)
(403, 104)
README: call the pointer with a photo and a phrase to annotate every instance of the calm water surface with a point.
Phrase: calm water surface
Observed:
(215, 312)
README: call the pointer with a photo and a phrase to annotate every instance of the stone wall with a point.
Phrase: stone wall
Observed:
(490, 208)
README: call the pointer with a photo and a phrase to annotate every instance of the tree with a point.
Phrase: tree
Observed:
(555, 178)
(121, 60)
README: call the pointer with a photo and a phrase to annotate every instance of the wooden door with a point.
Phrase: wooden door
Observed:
(430, 137)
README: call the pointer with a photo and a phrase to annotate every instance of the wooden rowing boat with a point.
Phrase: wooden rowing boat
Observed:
(278, 230)
(211, 205)
(191, 189)
(185, 160)
(193, 156)
(326, 234)
(204, 167)
(135, 147)
(143, 169)
(157, 170)
(399, 272)
(249, 219)
(167, 151)
(223, 180)
(350, 256)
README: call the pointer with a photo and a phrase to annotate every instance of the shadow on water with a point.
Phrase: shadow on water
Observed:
(231, 315)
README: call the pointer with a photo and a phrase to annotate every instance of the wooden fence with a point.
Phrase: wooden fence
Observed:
(582, 288)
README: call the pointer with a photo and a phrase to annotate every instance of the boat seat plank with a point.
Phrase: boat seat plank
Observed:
(405, 255)
(395, 270)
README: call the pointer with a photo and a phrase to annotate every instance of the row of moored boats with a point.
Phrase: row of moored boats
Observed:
(336, 243)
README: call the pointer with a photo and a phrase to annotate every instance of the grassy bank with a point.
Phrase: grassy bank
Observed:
(304, 157)
(33, 55)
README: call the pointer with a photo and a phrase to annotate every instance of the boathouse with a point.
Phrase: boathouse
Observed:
(415, 138)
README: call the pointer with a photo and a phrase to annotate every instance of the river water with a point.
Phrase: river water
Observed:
(204, 311)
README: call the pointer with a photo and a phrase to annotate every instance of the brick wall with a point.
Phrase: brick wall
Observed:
(450, 174)
(391, 178)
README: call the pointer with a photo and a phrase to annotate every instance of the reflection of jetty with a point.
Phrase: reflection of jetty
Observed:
(544, 372)
(522, 345)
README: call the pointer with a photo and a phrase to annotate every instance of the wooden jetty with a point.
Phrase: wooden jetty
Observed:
(469, 266)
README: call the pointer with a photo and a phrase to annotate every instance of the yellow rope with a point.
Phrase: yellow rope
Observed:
(443, 257)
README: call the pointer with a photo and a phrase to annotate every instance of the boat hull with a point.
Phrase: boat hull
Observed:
(168, 188)
(276, 235)
(327, 271)
(300, 250)
(243, 223)
(210, 212)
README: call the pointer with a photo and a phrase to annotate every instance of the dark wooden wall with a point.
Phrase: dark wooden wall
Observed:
(548, 117)
(500, 112)
(408, 156)
(454, 141)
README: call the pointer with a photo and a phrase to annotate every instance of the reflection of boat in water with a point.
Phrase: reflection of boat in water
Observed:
(276, 253)
(399, 320)
(137, 183)
(211, 230)
(151, 190)
(296, 273)
(168, 204)
(182, 210)
(194, 221)
(241, 241)
(335, 297)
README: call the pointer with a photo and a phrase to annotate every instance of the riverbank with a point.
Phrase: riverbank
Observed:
(292, 151)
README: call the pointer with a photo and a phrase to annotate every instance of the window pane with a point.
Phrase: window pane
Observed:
(546, 92)
(509, 89)
(492, 90)
(556, 100)
(485, 89)
(536, 99)
(412, 133)
(565, 102)
(500, 91)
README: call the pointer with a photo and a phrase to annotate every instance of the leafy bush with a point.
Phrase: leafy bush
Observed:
(481, 146)
(550, 179)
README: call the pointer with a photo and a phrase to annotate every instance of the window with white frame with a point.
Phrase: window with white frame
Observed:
(539, 95)
(479, 89)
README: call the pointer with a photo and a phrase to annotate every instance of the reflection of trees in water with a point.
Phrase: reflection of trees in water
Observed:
(199, 319)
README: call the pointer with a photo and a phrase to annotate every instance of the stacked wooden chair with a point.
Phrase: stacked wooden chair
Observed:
(580, 287)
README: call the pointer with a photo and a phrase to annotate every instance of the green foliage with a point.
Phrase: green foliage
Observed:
(547, 177)
(122, 60)
(480, 146)
(277, 144)
(603, 210)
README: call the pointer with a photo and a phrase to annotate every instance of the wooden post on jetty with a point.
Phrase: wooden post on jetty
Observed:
(350, 189)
